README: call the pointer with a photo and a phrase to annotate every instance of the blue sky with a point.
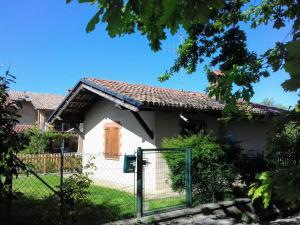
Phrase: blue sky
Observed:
(48, 50)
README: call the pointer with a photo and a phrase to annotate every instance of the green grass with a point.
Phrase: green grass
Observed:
(156, 204)
(31, 187)
(38, 203)
(102, 204)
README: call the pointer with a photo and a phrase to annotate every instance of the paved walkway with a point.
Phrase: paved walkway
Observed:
(214, 220)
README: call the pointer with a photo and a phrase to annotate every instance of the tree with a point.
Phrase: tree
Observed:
(213, 33)
(9, 139)
(270, 102)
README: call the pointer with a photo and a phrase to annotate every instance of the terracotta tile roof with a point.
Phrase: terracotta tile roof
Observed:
(150, 96)
(42, 101)
(19, 128)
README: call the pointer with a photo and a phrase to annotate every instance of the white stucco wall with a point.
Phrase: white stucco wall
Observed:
(27, 114)
(109, 171)
(250, 135)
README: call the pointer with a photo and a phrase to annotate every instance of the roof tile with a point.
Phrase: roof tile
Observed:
(150, 96)
(42, 101)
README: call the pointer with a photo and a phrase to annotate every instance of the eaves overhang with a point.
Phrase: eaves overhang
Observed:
(99, 90)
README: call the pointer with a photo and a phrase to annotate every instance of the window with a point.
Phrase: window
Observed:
(112, 140)
(192, 126)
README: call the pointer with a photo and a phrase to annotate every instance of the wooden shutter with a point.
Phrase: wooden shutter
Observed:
(112, 142)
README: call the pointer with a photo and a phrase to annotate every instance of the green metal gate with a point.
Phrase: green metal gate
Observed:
(159, 187)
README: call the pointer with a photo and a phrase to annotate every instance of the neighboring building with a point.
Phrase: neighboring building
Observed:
(36, 108)
(119, 117)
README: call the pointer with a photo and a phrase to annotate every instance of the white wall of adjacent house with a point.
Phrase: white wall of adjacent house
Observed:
(43, 116)
(27, 114)
(110, 171)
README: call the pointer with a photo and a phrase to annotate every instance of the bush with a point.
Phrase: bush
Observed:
(283, 137)
(37, 142)
(282, 180)
(75, 188)
(213, 170)
(248, 167)
(41, 141)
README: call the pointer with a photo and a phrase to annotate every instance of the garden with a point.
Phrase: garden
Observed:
(220, 171)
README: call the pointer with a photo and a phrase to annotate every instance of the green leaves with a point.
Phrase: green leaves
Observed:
(281, 184)
(10, 141)
(263, 188)
(92, 23)
(150, 18)
(213, 37)
(212, 162)
(292, 66)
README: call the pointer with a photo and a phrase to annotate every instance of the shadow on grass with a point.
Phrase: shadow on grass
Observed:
(28, 211)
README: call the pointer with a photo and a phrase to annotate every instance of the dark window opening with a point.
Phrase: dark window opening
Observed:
(192, 126)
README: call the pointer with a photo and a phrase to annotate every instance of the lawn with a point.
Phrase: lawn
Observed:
(163, 203)
(102, 205)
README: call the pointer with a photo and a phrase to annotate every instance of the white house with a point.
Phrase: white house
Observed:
(119, 117)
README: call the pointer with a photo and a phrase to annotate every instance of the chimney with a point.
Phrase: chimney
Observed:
(214, 76)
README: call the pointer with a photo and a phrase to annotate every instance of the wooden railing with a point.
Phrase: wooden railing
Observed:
(50, 163)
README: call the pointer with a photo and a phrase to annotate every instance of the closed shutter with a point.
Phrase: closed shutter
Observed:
(112, 142)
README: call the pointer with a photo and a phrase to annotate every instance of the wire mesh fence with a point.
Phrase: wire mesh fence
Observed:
(93, 191)
(93, 188)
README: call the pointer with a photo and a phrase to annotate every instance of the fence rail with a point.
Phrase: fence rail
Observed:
(50, 163)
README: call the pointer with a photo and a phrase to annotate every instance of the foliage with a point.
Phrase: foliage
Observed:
(270, 102)
(40, 140)
(75, 187)
(283, 136)
(150, 18)
(37, 142)
(10, 141)
(283, 184)
(214, 36)
(249, 167)
(297, 108)
(212, 165)
(280, 182)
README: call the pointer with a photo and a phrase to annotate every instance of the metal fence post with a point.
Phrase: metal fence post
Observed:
(188, 176)
(61, 180)
(139, 182)
(62, 167)
(212, 182)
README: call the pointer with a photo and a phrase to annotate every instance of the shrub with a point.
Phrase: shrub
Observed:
(75, 188)
(40, 141)
(213, 171)
(283, 137)
(282, 180)
(37, 142)
(248, 167)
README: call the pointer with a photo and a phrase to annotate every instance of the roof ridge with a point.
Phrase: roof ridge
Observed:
(149, 86)
(37, 93)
